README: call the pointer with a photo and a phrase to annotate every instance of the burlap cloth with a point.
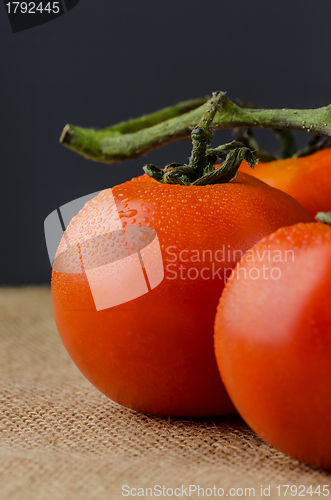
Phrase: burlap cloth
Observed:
(62, 439)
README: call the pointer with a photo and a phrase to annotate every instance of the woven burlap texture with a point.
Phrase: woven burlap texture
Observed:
(62, 439)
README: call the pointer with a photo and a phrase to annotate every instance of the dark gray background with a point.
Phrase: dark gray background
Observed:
(107, 61)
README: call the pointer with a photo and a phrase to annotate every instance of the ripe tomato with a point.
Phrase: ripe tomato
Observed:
(307, 179)
(155, 353)
(273, 340)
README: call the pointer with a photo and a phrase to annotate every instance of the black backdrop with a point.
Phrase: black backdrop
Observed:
(107, 61)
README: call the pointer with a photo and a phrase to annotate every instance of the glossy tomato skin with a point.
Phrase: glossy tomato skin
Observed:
(155, 353)
(273, 341)
(307, 179)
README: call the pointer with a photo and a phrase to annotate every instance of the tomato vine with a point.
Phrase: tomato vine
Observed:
(134, 138)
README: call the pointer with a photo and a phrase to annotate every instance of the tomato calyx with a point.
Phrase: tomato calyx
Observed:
(201, 168)
(324, 217)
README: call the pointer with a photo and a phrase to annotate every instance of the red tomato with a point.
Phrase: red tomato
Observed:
(273, 340)
(155, 353)
(307, 179)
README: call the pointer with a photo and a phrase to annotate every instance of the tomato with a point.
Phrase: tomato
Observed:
(273, 340)
(155, 353)
(307, 179)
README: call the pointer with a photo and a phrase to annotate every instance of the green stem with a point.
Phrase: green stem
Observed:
(324, 217)
(129, 140)
(202, 135)
(315, 144)
(146, 121)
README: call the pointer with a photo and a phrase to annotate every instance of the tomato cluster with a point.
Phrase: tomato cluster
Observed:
(251, 244)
